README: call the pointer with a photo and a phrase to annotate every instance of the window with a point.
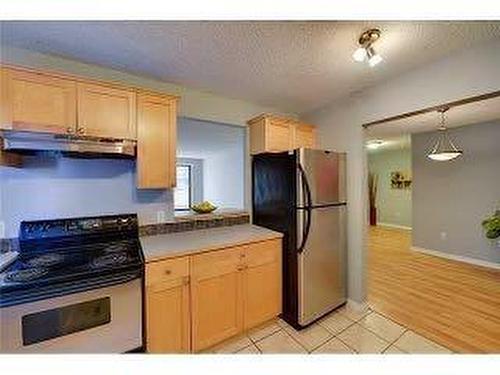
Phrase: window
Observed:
(182, 193)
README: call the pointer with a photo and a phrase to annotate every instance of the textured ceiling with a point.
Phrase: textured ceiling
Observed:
(293, 66)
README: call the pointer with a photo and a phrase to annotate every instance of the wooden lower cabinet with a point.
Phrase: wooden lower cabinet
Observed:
(168, 316)
(262, 282)
(216, 296)
(230, 290)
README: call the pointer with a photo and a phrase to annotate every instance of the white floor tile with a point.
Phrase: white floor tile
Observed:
(310, 337)
(262, 331)
(231, 346)
(352, 313)
(394, 350)
(334, 346)
(279, 342)
(252, 349)
(382, 326)
(336, 322)
(362, 340)
(411, 342)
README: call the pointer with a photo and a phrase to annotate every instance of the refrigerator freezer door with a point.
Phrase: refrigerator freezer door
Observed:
(322, 264)
(325, 173)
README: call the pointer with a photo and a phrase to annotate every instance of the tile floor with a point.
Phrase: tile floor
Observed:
(343, 331)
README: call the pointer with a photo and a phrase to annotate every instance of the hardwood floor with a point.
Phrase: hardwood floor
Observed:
(454, 304)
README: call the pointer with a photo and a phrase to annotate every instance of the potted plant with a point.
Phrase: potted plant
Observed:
(372, 195)
(491, 226)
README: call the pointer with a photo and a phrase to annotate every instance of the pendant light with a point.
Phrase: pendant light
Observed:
(443, 149)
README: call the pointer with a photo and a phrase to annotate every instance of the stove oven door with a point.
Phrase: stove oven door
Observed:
(105, 320)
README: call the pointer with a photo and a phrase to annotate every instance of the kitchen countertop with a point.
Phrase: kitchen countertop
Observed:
(170, 245)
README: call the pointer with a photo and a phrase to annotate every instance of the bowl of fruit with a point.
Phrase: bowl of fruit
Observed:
(204, 207)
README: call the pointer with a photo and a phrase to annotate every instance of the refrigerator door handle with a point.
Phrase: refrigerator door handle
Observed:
(307, 209)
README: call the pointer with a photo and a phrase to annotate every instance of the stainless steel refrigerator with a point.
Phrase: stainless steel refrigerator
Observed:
(302, 194)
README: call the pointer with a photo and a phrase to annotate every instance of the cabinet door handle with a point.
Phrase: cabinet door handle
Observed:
(168, 272)
(185, 280)
(81, 130)
(69, 130)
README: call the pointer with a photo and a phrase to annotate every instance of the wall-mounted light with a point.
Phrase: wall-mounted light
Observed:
(365, 50)
(443, 149)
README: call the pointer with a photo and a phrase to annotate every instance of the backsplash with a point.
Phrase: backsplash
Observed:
(49, 187)
(195, 222)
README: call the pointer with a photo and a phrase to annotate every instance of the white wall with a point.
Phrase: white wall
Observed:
(222, 148)
(466, 73)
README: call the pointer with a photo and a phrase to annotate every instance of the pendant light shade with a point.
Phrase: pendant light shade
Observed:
(443, 149)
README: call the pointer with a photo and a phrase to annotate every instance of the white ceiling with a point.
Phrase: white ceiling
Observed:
(293, 66)
(395, 142)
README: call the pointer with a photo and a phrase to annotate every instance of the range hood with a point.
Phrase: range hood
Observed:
(77, 146)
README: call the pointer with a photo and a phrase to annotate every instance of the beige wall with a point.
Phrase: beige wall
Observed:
(470, 72)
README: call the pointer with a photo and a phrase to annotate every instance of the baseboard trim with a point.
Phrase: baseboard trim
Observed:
(389, 225)
(458, 258)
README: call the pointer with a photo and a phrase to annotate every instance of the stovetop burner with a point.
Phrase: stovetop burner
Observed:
(108, 260)
(46, 260)
(24, 275)
(64, 255)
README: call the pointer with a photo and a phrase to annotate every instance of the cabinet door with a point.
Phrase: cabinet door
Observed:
(168, 319)
(216, 297)
(37, 102)
(305, 136)
(262, 282)
(106, 112)
(279, 135)
(156, 141)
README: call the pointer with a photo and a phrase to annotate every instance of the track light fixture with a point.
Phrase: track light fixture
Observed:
(365, 50)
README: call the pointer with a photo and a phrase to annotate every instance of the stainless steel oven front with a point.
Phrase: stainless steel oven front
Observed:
(104, 320)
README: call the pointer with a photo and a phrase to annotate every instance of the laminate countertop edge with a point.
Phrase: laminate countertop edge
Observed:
(173, 245)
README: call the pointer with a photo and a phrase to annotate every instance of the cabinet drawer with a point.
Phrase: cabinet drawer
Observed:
(217, 262)
(166, 270)
(263, 252)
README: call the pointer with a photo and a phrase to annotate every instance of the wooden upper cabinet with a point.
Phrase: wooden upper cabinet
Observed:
(37, 102)
(156, 141)
(106, 112)
(271, 133)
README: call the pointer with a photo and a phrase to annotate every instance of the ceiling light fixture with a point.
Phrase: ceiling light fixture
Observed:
(374, 144)
(443, 149)
(366, 50)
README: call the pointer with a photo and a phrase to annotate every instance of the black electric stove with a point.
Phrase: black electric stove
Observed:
(58, 257)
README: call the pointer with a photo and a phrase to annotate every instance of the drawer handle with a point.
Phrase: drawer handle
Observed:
(168, 272)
